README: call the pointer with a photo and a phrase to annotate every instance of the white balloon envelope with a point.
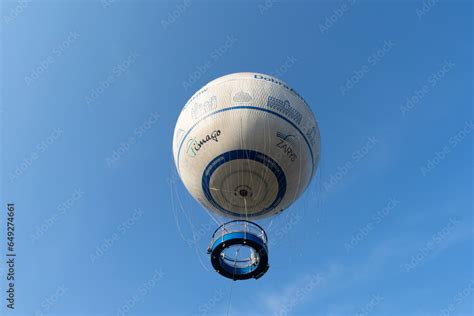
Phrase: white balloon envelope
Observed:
(246, 145)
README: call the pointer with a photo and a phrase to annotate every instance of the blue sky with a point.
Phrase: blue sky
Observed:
(90, 93)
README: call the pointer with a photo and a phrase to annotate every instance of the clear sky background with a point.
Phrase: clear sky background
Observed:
(90, 93)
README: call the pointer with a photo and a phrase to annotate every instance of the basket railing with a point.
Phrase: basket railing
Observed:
(239, 226)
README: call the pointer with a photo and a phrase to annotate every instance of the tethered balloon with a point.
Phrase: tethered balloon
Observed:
(246, 146)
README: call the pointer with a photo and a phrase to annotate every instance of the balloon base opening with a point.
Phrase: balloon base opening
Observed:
(239, 250)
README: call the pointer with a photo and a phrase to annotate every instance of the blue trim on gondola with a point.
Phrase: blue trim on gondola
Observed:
(240, 273)
(249, 155)
(249, 108)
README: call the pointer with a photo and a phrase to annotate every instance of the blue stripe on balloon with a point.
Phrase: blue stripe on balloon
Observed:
(250, 155)
(250, 108)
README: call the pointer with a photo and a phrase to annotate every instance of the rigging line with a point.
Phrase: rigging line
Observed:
(216, 189)
(174, 213)
(174, 190)
(230, 297)
(270, 226)
(266, 129)
(219, 223)
(245, 204)
(212, 217)
(200, 259)
(237, 251)
(241, 146)
(176, 205)
(186, 215)
(293, 243)
(300, 150)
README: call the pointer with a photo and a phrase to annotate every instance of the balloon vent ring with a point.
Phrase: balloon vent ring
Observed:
(239, 250)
